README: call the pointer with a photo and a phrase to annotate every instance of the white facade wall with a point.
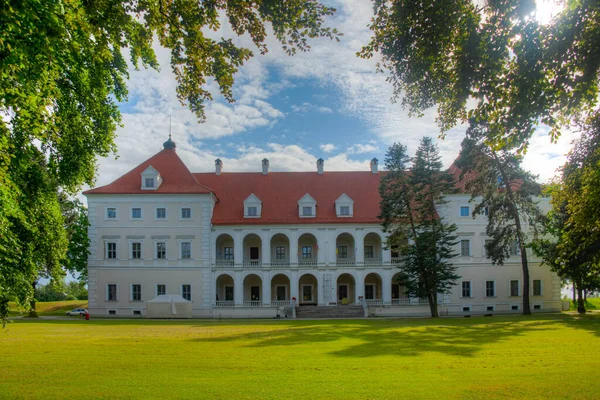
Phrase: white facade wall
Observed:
(263, 275)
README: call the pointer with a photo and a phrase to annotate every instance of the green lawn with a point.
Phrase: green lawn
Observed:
(544, 356)
(590, 304)
(55, 308)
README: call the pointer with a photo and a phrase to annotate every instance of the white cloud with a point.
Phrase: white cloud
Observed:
(327, 147)
(362, 148)
(308, 107)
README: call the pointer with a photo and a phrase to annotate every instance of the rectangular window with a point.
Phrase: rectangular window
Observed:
(489, 308)
(186, 250)
(464, 211)
(228, 253)
(161, 213)
(280, 253)
(514, 248)
(161, 250)
(514, 308)
(186, 292)
(514, 288)
(112, 312)
(307, 252)
(252, 211)
(344, 210)
(488, 243)
(161, 289)
(537, 306)
(254, 253)
(368, 251)
(465, 248)
(466, 289)
(490, 289)
(186, 213)
(537, 287)
(149, 182)
(369, 292)
(111, 250)
(307, 211)
(112, 292)
(136, 213)
(137, 312)
(466, 309)
(136, 250)
(342, 251)
(136, 292)
(111, 213)
(228, 293)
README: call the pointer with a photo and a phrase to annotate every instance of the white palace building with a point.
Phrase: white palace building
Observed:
(248, 245)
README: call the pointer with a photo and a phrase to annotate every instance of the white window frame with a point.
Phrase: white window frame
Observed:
(150, 172)
(490, 305)
(116, 292)
(515, 305)
(374, 286)
(285, 289)
(485, 288)
(156, 213)
(463, 306)
(540, 305)
(470, 296)
(307, 201)
(156, 249)
(131, 242)
(460, 207)
(106, 243)
(225, 292)
(141, 218)
(146, 180)
(181, 218)
(344, 201)
(310, 210)
(252, 211)
(186, 284)
(181, 242)
(159, 284)
(541, 287)
(131, 292)
(470, 249)
(106, 218)
(519, 288)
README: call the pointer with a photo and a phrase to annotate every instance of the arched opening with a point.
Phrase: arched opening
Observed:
(225, 291)
(345, 289)
(307, 249)
(225, 246)
(252, 250)
(372, 245)
(280, 250)
(280, 290)
(252, 291)
(373, 289)
(345, 249)
(399, 296)
(307, 289)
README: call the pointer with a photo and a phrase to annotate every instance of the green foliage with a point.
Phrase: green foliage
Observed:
(62, 71)
(59, 291)
(503, 189)
(408, 209)
(571, 246)
(516, 72)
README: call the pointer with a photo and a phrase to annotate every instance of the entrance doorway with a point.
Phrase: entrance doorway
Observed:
(255, 293)
(342, 292)
(281, 293)
(307, 293)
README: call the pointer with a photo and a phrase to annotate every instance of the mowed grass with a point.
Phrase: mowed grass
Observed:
(543, 356)
(55, 308)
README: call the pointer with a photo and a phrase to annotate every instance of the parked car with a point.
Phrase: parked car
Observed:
(76, 311)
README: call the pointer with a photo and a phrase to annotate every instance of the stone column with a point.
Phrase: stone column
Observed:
(293, 237)
(386, 287)
(294, 285)
(320, 293)
(265, 238)
(238, 247)
(238, 289)
(266, 288)
(359, 285)
(359, 247)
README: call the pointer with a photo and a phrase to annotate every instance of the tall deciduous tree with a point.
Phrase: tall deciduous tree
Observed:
(62, 72)
(507, 193)
(408, 208)
(490, 61)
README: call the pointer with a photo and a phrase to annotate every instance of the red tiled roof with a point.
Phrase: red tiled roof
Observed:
(280, 192)
(177, 178)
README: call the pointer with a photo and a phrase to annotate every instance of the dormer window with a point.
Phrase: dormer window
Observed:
(307, 206)
(344, 206)
(151, 179)
(252, 207)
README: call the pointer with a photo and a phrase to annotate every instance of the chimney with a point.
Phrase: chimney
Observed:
(374, 163)
(218, 166)
(265, 166)
(320, 165)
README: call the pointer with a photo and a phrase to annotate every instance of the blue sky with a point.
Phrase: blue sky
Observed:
(292, 110)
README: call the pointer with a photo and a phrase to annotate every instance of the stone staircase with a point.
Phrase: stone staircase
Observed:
(349, 311)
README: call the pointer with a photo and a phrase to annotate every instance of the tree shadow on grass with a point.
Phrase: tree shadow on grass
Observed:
(395, 337)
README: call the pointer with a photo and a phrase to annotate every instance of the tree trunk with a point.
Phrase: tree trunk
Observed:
(432, 298)
(515, 214)
(32, 312)
(574, 293)
(580, 303)
(585, 296)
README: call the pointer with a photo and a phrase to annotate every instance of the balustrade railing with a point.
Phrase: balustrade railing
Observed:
(252, 263)
(307, 262)
(280, 263)
(252, 304)
(374, 302)
(401, 302)
(281, 303)
(373, 261)
(225, 304)
(224, 263)
(396, 260)
(345, 262)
